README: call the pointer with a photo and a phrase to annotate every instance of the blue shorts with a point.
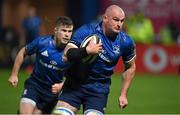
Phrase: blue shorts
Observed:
(88, 99)
(45, 100)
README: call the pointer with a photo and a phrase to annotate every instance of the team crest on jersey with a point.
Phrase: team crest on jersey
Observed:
(45, 53)
(116, 49)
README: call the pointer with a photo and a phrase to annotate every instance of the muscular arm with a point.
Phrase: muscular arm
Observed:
(128, 75)
(13, 79)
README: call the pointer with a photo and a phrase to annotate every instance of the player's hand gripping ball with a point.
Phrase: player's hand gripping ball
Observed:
(90, 58)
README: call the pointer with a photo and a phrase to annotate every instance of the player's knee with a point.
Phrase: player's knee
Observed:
(93, 112)
(26, 106)
(62, 111)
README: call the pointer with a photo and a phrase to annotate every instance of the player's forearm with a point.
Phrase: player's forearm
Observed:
(128, 76)
(76, 54)
(18, 61)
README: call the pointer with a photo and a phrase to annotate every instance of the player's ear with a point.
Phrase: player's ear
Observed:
(104, 17)
(55, 30)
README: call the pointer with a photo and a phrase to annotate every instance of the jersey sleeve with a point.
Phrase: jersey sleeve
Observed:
(80, 35)
(32, 47)
(129, 51)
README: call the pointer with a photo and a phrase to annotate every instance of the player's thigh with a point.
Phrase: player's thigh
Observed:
(95, 101)
(28, 100)
(47, 103)
(37, 111)
(71, 98)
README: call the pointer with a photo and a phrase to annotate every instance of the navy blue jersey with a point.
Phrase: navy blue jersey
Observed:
(98, 73)
(49, 66)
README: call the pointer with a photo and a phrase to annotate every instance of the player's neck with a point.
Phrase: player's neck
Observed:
(59, 46)
(110, 35)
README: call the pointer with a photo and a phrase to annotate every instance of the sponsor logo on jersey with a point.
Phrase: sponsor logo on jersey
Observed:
(49, 65)
(45, 53)
(102, 55)
(53, 62)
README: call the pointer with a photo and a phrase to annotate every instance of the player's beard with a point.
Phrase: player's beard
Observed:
(112, 35)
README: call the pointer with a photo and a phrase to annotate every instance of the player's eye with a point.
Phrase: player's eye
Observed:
(122, 20)
(117, 19)
(70, 31)
(64, 30)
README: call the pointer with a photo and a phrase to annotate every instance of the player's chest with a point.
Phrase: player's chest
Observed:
(51, 57)
(111, 50)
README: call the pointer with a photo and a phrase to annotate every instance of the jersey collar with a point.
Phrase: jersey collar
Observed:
(99, 27)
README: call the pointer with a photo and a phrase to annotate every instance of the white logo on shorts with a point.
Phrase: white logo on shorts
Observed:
(25, 92)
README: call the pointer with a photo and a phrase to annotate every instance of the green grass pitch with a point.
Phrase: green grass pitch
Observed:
(148, 94)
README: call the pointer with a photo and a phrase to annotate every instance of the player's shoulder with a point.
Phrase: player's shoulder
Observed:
(125, 38)
(90, 27)
(84, 31)
(43, 40)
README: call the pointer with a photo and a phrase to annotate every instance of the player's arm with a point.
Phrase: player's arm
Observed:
(128, 75)
(73, 53)
(13, 79)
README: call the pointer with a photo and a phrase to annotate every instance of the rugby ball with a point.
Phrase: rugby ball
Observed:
(90, 58)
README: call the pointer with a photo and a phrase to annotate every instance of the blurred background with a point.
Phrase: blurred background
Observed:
(153, 24)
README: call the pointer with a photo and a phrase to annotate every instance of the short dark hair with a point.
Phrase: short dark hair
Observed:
(63, 20)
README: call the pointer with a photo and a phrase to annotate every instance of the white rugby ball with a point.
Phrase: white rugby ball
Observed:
(90, 58)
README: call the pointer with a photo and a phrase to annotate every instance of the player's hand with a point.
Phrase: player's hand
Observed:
(13, 80)
(93, 48)
(123, 102)
(56, 87)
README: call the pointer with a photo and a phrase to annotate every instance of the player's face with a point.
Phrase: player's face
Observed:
(114, 22)
(63, 34)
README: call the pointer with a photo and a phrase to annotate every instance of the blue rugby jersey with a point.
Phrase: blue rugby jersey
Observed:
(49, 66)
(98, 73)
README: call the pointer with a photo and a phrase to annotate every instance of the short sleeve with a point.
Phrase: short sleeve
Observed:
(80, 35)
(129, 51)
(32, 47)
